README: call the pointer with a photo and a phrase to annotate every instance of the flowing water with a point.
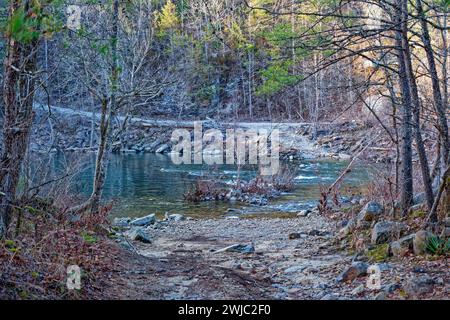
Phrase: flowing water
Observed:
(140, 184)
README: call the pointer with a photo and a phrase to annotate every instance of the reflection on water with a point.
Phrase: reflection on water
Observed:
(148, 183)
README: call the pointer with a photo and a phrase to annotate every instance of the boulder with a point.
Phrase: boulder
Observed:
(386, 231)
(348, 229)
(402, 246)
(304, 213)
(420, 242)
(144, 221)
(418, 285)
(357, 269)
(371, 211)
(419, 198)
(138, 234)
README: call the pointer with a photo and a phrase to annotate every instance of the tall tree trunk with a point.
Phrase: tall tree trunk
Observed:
(18, 94)
(105, 124)
(423, 159)
(401, 41)
(437, 96)
(108, 107)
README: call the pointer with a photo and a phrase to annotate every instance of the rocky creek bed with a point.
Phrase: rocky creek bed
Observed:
(262, 258)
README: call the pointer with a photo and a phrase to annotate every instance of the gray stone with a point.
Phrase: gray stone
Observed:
(241, 248)
(138, 234)
(175, 217)
(232, 218)
(163, 148)
(304, 213)
(402, 246)
(348, 229)
(295, 269)
(418, 285)
(385, 231)
(371, 211)
(294, 235)
(121, 222)
(419, 198)
(357, 269)
(144, 221)
(391, 287)
(420, 242)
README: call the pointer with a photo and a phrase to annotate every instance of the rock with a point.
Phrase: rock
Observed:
(358, 290)
(121, 222)
(371, 212)
(138, 234)
(163, 148)
(385, 231)
(420, 242)
(348, 229)
(304, 213)
(126, 245)
(175, 217)
(241, 248)
(144, 221)
(419, 198)
(402, 246)
(232, 218)
(295, 269)
(294, 235)
(391, 287)
(415, 208)
(418, 285)
(356, 270)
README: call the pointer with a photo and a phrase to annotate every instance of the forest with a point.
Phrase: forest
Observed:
(99, 198)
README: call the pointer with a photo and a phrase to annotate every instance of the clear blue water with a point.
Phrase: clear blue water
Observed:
(140, 184)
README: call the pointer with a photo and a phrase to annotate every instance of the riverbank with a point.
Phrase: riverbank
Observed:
(293, 258)
(77, 131)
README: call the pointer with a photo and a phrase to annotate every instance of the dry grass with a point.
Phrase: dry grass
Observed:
(33, 263)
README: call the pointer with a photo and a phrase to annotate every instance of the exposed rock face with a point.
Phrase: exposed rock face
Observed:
(386, 231)
(144, 221)
(420, 242)
(402, 246)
